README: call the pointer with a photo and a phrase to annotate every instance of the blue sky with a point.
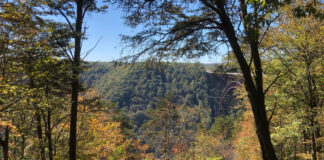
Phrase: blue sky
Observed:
(107, 27)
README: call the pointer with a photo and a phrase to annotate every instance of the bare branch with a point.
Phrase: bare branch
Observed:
(265, 32)
(90, 50)
(274, 81)
(273, 110)
(59, 121)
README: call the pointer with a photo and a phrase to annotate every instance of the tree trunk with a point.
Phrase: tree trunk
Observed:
(23, 142)
(49, 135)
(75, 81)
(317, 135)
(312, 104)
(255, 91)
(37, 110)
(314, 155)
(305, 139)
(5, 144)
(40, 134)
(38, 122)
(263, 133)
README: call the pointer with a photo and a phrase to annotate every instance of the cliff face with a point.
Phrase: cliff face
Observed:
(136, 88)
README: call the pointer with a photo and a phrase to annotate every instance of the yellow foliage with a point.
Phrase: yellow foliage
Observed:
(246, 143)
(103, 138)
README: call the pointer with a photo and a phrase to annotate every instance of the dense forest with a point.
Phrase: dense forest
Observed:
(263, 100)
(139, 89)
(136, 89)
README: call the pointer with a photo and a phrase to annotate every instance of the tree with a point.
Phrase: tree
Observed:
(102, 138)
(295, 61)
(161, 130)
(205, 146)
(31, 80)
(19, 27)
(103, 132)
(195, 28)
(74, 13)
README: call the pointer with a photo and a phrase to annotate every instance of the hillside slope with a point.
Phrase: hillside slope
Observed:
(136, 88)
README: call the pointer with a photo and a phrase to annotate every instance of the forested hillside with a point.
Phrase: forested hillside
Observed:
(136, 88)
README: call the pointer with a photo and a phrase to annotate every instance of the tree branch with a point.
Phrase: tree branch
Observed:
(265, 32)
(90, 50)
(67, 19)
(274, 109)
(274, 81)
(210, 6)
